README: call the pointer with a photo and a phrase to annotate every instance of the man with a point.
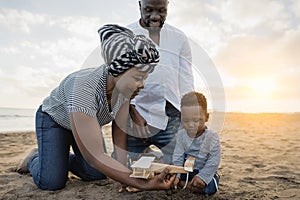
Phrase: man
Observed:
(155, 112)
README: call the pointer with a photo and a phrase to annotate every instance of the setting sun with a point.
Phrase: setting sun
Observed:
(262, 88)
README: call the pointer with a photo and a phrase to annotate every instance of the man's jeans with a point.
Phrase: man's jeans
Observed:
(50, 167)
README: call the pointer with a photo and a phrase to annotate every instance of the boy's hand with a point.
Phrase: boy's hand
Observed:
(196, 183)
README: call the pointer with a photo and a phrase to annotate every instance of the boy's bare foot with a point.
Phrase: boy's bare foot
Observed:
(22, 168)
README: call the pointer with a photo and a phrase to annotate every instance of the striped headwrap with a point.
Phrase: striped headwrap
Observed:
(121, 50)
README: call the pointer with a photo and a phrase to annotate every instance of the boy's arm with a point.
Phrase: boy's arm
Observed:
(211, 166)
(179, 153)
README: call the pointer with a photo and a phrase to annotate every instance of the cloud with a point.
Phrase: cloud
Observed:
(40, 49)
(33, 70)
(257, 40)
(24, 87)
(50, 41)
(247, 15)
(79, 26)
(295, 5)
(200, 20)
(249, 56)
(246, 55)
(19, 20)
(213, 23)
(252, 62)
(22, 22)
(41, 52)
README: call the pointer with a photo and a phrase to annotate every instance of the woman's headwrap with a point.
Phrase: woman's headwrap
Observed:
(122, 50)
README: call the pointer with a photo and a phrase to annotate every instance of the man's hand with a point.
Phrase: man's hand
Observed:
(139, 124)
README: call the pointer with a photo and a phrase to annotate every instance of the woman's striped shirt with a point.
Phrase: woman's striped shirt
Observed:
(82, 91)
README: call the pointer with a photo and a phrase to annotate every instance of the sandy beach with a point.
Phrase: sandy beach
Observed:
(260, 160)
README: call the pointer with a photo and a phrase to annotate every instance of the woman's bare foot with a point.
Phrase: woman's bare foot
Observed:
(132, 189)
(22, 168)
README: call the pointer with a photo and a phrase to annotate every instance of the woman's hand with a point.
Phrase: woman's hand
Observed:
(176, 182)
(161, 181)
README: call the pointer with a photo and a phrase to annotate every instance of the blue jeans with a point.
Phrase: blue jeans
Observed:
(49, 168)
(213, 186)
(163, 139)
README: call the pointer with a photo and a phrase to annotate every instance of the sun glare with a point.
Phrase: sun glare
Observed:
(262, 88)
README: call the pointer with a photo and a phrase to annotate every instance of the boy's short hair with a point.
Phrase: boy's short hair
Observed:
(194, 99)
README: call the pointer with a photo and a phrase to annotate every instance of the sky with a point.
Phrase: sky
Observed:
(252, 46)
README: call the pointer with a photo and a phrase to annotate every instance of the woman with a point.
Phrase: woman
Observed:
(83, 102)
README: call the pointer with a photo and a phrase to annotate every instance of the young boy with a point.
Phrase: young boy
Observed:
(196, 140)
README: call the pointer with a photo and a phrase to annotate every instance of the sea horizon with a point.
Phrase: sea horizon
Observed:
(23, 119)
(210, 111)
(17, 119)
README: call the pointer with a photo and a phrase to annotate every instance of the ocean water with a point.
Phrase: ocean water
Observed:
(14, 119)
